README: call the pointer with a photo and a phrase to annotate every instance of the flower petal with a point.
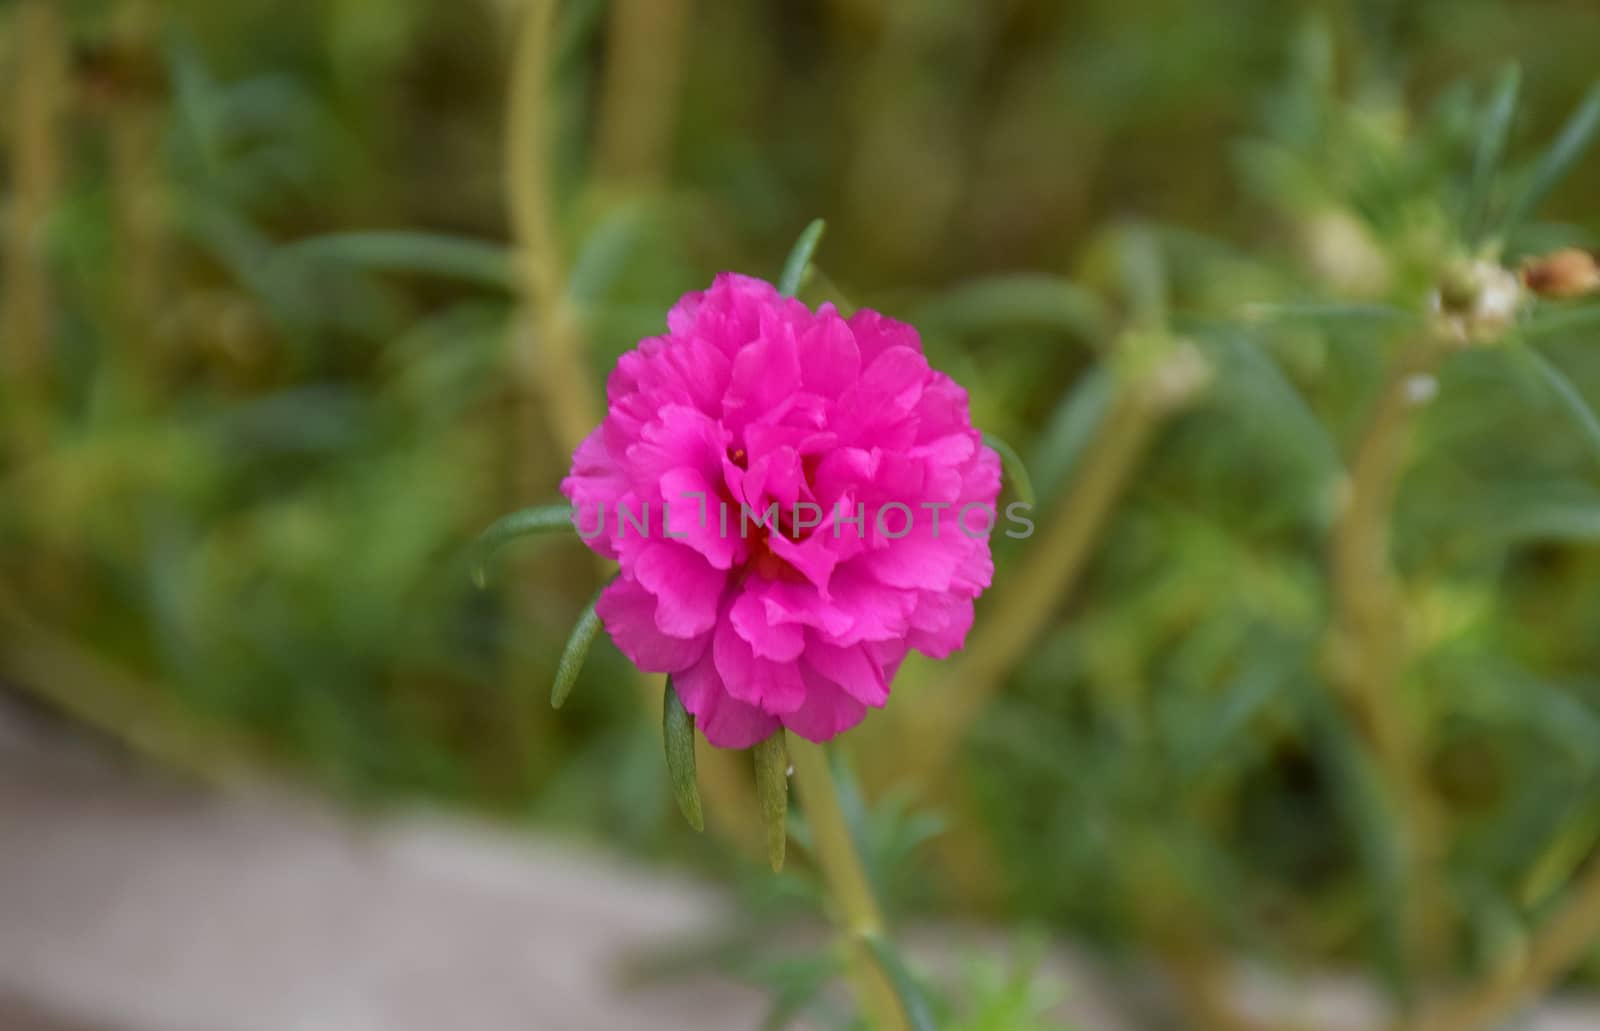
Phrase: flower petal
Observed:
(688, 587)
(629, 614)
(773, 687)
(724, 720)
(594, 485)
(828, 711)
(780, 642)
(940, 623)
(852, 669)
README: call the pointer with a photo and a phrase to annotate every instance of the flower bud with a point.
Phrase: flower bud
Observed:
(1476, 303)
(1565, 274)
(1341, 252)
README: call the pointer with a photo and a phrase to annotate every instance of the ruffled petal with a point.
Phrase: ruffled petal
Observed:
(773, 687)
(688, 587)
(696, 513)
(853, 669)
(594, 486)
(628, 612)
(940, 623)
(753, 403)
(828, 711)
(724, 720)
(778, 641)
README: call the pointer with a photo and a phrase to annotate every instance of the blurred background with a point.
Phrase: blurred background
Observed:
(1298, 680)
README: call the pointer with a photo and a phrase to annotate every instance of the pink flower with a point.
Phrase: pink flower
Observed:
(883, 489)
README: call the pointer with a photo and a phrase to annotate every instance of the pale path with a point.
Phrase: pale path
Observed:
(131, 905)
(127, 904)
(171, 913)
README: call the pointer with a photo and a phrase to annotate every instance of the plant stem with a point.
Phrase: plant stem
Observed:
(549, 363)
(1556, 946)
(138, 192)
(39, 92)
(644, 63)
(857, 911)
(1024, 606)
(100, 694)
(552, 371)
(1369, 646)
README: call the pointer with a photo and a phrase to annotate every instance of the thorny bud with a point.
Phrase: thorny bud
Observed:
(1563, 275)
(1477, 303)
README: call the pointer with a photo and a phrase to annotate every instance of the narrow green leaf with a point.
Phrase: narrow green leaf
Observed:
(577, 650)
(1559, 158)
(1144, 276)
(523, 523)
(1569, 395)
(1492, 137)
(474, 261)
(1016, 470)
(677, 731)
(912, 1000)
(577, 24)
(1260, 382)
(857, 817)
(1008, 302)
(1070, 427)
(1573, 844)
(772, 786)
(794, 269)
(1375, 828)
(1324, 312)
(798, 989)
(1557, 510)
(1548, 321)
(604, 254)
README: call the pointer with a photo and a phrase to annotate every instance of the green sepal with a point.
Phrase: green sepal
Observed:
(677, 734)
(772, 787)
(584, 631)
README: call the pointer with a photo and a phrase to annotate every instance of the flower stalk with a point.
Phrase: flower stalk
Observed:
(38, 96)
(856, 908)
(137, 174)
(1024, 606)
(1369, 646)
(1559, 944)
(639, 101)
(1552, 950)
(549, 364)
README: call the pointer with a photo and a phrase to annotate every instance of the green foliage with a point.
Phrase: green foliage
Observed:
(677, 733)
(584, 631)
(771, 759)
(798, 265)
(523, 523)
(258, 486)
(907, 989)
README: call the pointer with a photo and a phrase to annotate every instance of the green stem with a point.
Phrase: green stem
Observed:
(555, 374)
(550, 366)
(857, 910)
(1369, 645)
(39, 93)
(98, 693)
(1023, 607)
(639, 103)
(139, 221)
(1559, 944)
